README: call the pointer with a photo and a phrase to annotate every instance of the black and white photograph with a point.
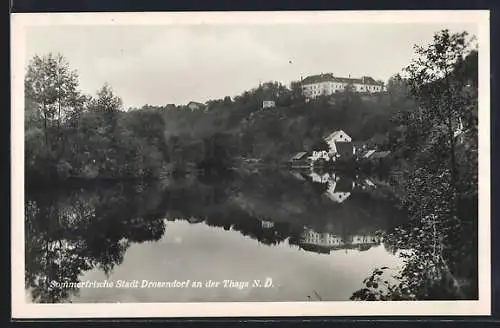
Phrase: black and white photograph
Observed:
(275, 163)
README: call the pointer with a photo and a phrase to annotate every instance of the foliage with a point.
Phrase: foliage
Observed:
(440, 186)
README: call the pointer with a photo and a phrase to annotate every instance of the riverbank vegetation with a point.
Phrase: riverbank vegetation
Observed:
(439, 177)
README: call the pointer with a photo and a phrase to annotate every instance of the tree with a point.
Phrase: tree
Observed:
(296, 90)
(51, 87)
(52, 104)
(227, 101)
(433, 83)
(397, 88)
(441, 187)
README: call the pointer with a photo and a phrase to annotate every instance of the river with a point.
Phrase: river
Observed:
(268, 236)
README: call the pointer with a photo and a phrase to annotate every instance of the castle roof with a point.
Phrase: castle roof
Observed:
(328, 77)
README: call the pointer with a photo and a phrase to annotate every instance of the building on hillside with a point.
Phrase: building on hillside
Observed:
(193, 106)
(337, 136)
(268, 104)
(340, 144)
(344, 150)
(320, 154)
(267, 224)
(327, 84)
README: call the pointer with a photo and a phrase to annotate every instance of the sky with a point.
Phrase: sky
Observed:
(163, 64)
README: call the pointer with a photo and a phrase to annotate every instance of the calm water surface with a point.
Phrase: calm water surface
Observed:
(303, 236)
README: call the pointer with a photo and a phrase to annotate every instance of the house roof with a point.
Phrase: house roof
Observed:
(335, 134)
(330, 78)
(344, 148)
(380, 154)
(368, 153)
(299, 155)
(196, 103)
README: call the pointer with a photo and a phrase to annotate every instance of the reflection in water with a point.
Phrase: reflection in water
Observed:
(205, 228)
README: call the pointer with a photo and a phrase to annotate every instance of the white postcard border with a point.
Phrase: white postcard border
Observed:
(22, 309)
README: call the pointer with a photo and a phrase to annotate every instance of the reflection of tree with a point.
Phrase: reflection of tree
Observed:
(430, 272)
(75, 230)
(49, 256)
(244, 203)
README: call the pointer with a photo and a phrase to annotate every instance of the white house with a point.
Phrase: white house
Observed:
(337, 136)
(267, 224)
(327, 84)
(195, 106)
(268, 104)
(340, 144)
(320, 154)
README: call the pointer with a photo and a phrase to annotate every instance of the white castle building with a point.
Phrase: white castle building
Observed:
(326, 84)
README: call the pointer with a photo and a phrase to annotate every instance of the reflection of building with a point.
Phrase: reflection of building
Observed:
(267, 224)
(268, 104)
(321, 239)
(364, 239)
(325, 242)
(339, 189)
(300, 160)
(319, 178)
(297, 175)
(194, 220)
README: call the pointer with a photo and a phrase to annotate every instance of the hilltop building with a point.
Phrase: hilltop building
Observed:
(267, 224)
(268, 104)
(193, 106)
(326, 84)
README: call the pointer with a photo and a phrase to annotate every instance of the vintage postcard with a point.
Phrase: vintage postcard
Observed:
(250, 164)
